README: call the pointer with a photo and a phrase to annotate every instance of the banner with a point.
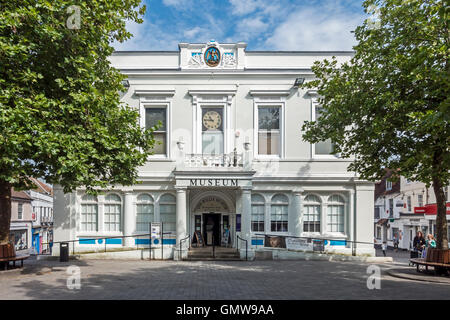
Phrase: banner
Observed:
(299, 244)
(274, 242)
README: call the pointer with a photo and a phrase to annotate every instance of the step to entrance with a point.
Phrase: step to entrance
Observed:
(206, 254)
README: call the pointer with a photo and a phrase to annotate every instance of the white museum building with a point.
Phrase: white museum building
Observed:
(230, 158)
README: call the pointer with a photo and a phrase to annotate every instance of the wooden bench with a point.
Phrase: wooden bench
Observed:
(422, 262)
(8, 253)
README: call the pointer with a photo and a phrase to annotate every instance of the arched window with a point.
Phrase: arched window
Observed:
(257, 213)
(311, 214)
(279, 213)
(89, 213)
(167, 213)
(113, 209)
(144, 212)
(335, 214)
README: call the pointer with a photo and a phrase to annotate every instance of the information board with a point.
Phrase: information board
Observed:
(299, 244)
(155, 230)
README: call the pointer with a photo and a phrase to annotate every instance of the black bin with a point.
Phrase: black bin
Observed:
(64, 252)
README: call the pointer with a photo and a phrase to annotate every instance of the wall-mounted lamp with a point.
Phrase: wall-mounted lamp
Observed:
(126, 83)
(180, 143)
(298, 82)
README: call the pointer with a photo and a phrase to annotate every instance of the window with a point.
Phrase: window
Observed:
(325, 147)
(212, 130)
(20, 211)
(113, 209)
(377, 212)
(157, 117)
(388, 185)
(378, 234)
(420, 200)
(167, 211)
(335, 214)
(391, 208)
(311, 214)
(279, 213)
(269, 130)
(408, 202)
(257, 213)
(89, 213)
(144, 213)
(446, 193)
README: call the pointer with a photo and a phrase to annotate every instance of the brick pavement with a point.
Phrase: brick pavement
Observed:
(112, 279)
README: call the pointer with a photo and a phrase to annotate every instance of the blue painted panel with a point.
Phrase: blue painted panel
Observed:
(338, 243)
(113, 241)
(169, 241)
(141, 241)
(257, 242)
(86, 241)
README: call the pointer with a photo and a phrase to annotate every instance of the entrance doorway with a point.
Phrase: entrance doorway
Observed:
(211, 228)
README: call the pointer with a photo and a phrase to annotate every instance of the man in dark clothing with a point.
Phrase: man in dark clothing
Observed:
(419, 241)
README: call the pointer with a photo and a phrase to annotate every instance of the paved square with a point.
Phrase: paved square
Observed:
(108, 279)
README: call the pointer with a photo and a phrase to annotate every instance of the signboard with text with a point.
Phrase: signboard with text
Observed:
(299, 244)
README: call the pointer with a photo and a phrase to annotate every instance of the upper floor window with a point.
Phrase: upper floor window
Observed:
(269, 130)
(144, 212)
(20, 211)
(335, 214)
(408, 202)
(157, 116)
(257, 213)
(388, 185)
(279, 213)
(167, 212)
(113, 210)
(323, 148)
(89, 213)
(311, 214)
(212, 130)
(420, 200)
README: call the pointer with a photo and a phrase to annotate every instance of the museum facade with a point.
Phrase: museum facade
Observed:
(230, 158)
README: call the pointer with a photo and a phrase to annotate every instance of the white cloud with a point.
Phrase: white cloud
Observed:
(251, 27)
(315, 29)
(192, 32)
(176, 3)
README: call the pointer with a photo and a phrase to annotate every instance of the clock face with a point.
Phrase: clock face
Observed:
(212, 120)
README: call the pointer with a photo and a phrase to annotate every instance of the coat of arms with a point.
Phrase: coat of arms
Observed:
(212, 56)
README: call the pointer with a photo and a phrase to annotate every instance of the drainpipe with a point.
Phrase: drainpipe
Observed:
(354, 221)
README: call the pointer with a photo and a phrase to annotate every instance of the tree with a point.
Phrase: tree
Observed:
(60, 112)
(389, 105)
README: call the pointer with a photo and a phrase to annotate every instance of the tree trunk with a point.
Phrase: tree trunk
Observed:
(5, 211)
(441, 219)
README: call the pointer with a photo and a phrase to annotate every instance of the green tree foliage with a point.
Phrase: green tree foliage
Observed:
(389, 106)
(60, 112)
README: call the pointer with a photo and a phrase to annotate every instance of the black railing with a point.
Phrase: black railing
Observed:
(246, 246)
(181, 245)
(311, 239)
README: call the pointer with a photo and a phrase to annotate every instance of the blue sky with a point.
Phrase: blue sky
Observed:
(262, 24)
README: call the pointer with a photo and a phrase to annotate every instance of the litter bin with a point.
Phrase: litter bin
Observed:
(64, 252)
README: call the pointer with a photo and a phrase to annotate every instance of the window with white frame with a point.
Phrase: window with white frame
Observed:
(167, 212)
(408, 203)
(420, 200)
(212, 130)
(89, 213)
(257, 213)
(156, 116)
(144, 212)
(323, 148)
(335, 214)
(113, 210)
(311, 213)
(269, 130)
(20, 211)
(388, 185)
(279, 213)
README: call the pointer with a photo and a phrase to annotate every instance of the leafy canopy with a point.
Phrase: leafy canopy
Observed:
(389, 105)
(60, 112)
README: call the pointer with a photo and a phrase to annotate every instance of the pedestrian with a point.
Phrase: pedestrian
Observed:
(396, 241)
(383, 247)
(419, 242)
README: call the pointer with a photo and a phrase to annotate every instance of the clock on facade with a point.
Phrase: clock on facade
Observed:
(212, 120)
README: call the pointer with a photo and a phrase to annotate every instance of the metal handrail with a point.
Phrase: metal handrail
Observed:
(181, 245)
(246, 246)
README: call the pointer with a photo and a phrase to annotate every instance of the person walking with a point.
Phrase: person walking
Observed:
(419, 243)
(383, 247)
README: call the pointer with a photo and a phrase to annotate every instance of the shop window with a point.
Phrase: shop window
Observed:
(144, 212)
(89, 213)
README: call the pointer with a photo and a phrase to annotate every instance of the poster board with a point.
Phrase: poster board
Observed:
(226, 237)
(299, 244)
(198, 239)
(319, 245)
(274, 242)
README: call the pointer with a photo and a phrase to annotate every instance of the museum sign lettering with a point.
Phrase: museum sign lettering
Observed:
(213, 182)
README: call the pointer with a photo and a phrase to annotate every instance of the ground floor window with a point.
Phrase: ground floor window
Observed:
(167, 212)
(279, 213)
(19, 238)
(311, 214)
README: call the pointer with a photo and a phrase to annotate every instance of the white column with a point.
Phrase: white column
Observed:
(129, 220)
(181, 220)
(246, 216)
(296, 213)
(351, 217)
